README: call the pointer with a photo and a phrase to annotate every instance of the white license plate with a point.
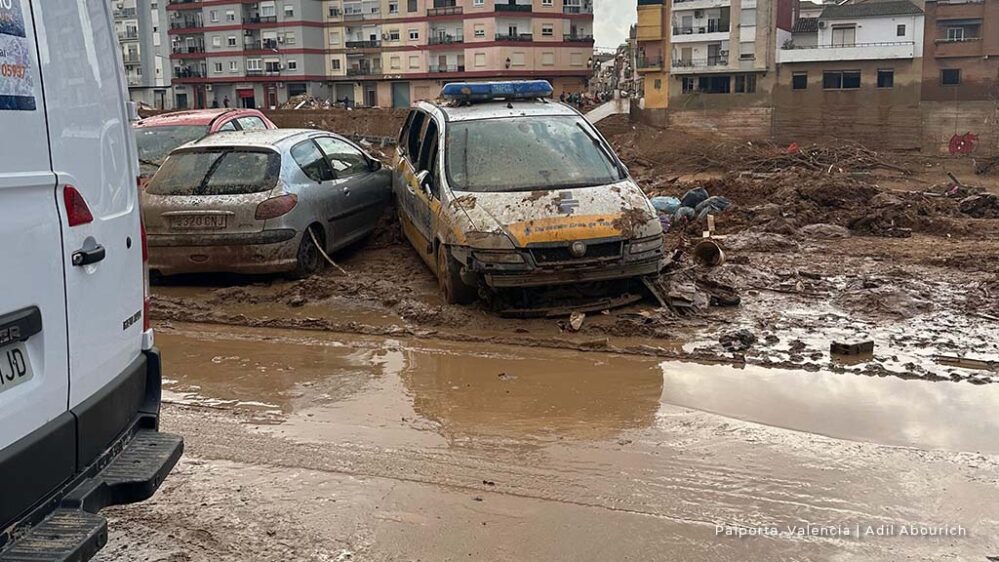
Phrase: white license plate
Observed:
(199, 222)
(14, 366)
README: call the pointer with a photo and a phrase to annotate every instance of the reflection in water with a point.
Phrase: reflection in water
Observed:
(954, 416)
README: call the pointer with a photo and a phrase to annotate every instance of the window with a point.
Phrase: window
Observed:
(335, 64)
(229, 126)
(900, 30)
(688, 85)
(395, 63)
(346, 160)
(950, 76)
(414, 34)
(293, 65)
(480, 59)
(418, 118)
(394, 35)
(955, 34)
(289, 11)
(548, 59)
(841, 80)
(546, 2)
(745, 84)
(231, 41)
(251, 123)
(412, 6)
(290, 38)
(230, 15)
(886, 78)
(844, 36)
(268, 10)
(658, 84)
(547, 30)
(218, 68)
(217, 42)
(312, 161)
(479, 3)
(576, 59)
(799, 81)
(334, 37)
(414, 62)
(517, 59)
(480, 30)
(234, 66)
(213, 16)
(714, 84)
(253, 64)
(393, 7)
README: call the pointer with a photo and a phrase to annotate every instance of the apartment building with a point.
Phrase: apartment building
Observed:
(854, 71)
(253, 54)
(145, 49)
(652, 52)
(393, 52)
(725, 49)
(961, 47)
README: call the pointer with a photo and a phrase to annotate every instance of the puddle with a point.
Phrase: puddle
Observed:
(358, 389)
(890, 411)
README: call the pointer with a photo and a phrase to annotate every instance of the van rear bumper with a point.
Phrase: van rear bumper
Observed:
(107, 451)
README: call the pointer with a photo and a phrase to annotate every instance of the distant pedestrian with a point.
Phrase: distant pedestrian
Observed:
(225, 101)
(215, 103)
(561, 97)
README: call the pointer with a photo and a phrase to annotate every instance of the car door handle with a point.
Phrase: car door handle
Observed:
(86, 257)
(346, 191)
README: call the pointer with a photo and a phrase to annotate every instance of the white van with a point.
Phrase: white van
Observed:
(79, 377)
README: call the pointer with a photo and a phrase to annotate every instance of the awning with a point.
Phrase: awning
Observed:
(245, 93)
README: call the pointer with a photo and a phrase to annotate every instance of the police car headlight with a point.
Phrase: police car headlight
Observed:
(499, 258)
(646, 245)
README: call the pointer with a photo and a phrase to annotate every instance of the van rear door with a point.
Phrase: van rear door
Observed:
(93, 151)
(36, 429)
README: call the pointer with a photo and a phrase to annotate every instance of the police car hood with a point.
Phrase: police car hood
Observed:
(619, 210)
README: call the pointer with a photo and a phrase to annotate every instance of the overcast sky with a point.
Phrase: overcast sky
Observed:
(611, 21)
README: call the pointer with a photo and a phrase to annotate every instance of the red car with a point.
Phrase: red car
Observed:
(157, 136)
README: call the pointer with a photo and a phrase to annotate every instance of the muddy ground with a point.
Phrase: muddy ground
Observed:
(355, 417)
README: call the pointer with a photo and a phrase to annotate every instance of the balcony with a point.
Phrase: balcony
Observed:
(185, 4)
(570, 38)
(189, 73)
(186, 24)
(692, 66)
(527, 37)
(188, 49)
(858, 51)
(445, 11)
(124, 14)
(650, 64)
(130, 35)
(577, 9)
(437, 39)
(265, 45)
(363, 71)
(130, 60)
(447, 68)
(967, 47)
(701, 4)
(261, 19)
(519, 8)
(370, 44)
(335, 12)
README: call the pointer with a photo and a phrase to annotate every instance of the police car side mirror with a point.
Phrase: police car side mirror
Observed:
(374, 165)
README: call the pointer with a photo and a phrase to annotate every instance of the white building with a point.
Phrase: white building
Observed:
(141, 26)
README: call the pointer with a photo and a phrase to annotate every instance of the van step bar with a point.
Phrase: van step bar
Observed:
(74, 532)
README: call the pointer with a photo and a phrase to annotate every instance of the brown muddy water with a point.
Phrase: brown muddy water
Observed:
(310, 386)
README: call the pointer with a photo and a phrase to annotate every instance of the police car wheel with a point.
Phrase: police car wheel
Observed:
(453, 289)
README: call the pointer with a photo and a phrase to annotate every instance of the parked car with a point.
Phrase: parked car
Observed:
(499, 187)
(157, 136)
(79, 376)
(245, 202)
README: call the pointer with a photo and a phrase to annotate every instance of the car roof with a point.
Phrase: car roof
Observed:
(190, 117)
(266, 138)
(499, 109)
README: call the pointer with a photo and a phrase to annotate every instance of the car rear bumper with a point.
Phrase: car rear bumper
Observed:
(269, 251)
(116, 455)
(545, 277)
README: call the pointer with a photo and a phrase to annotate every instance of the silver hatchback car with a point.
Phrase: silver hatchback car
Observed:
(245, 202)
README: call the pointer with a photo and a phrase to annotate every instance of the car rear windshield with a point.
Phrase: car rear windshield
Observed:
(155, 143)
(217, 172)
(527, 154)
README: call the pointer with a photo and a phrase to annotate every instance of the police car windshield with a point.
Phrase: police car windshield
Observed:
(526, 154)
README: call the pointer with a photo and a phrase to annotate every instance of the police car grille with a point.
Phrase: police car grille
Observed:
(562, 254)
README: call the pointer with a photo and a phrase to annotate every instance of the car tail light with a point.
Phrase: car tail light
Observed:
(276, 207)
(77, 211)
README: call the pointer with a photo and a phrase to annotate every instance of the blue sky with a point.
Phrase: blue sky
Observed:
(611, 21)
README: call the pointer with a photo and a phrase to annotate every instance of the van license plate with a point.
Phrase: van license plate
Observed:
(199, 222)
(14, 366)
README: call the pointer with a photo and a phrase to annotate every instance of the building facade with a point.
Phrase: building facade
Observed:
(652, 48)
(145, 47)
(961, 47)
(370, 52)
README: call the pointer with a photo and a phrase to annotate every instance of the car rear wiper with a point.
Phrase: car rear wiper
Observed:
(605, 149)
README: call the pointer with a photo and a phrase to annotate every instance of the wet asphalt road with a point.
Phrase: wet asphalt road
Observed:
(308, 446)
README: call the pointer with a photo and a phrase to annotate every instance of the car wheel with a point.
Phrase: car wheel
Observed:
(453, 289)
(309, 260)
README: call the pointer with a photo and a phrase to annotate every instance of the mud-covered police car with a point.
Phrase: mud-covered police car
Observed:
(498, 186)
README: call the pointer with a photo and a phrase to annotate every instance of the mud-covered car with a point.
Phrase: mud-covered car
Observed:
(258, 201)
(499, 187)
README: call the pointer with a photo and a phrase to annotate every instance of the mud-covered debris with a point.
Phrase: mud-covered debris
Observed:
(980, 206)
(738, 341)
(576, 321)
(719, 294)
(821, 231)
(296, 301)
(852, 347)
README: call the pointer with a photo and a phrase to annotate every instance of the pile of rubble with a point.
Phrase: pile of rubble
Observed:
(305, 101)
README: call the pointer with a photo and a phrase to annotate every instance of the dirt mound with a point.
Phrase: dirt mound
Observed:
(875, 298)
(354, 123)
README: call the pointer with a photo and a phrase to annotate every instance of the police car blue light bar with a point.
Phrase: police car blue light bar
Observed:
(488, 91)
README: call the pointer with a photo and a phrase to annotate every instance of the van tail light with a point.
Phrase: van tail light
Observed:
(77, 211)
(146, 301)
(276, 207)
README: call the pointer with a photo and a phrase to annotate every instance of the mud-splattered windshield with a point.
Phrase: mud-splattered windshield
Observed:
(526, 154)
(217, 172)
(155, 143)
